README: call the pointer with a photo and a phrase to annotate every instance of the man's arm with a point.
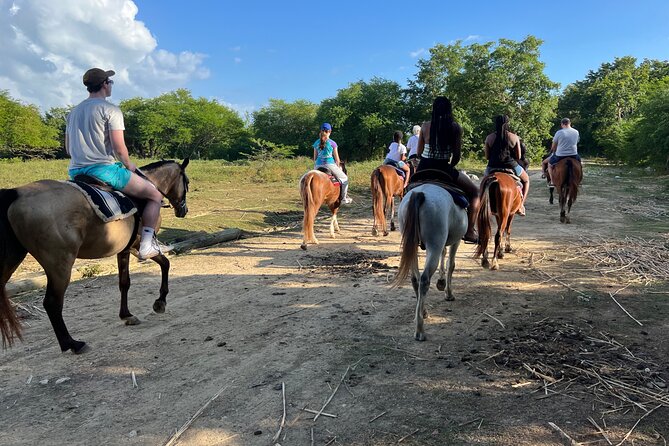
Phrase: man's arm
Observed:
(120, 149)
(67, 144)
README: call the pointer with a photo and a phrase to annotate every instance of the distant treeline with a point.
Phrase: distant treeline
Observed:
(621, 110)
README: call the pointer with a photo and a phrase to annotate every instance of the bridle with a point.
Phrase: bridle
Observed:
(181, 204)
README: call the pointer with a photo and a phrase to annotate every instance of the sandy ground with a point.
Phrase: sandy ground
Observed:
(247, 317)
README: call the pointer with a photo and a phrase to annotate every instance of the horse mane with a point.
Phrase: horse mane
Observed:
(157, 164)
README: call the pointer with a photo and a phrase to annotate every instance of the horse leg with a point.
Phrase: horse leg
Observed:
(507, 231)
(160, 303)
(441, 282)
(563, 199)
(498, 236)
(451, 267)
(484, 259)
(431, 264)
(334, 224)
(57, 281)
(387, 205)
(123, 261)
(392, 213)
(415, 275)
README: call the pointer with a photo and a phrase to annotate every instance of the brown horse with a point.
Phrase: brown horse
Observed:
(386, 184)
(55, 223)
(500, 196)
(567, 177)
(318, 188)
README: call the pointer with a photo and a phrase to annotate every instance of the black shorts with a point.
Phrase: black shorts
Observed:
(439, 164)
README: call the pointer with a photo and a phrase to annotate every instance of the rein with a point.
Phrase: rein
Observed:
(180, 205)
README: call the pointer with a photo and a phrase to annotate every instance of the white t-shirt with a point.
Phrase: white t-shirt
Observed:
(412, 145)
(566, 140)
(88, 132)
(395, 151)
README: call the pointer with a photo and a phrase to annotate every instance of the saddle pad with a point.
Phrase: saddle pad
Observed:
(109, 206)
(459, 197)
(394, 164)
(333, 179)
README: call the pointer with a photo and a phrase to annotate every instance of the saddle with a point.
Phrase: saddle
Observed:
(511, 173)
(398, 170)
(330, 175)
(441, 179)
(108, 203)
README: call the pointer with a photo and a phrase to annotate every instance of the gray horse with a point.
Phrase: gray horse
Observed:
(429, 217)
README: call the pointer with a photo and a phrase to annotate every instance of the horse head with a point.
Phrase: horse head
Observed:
(171, 180)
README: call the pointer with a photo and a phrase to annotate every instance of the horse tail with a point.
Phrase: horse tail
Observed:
(309, 206)
(410, 239)
(11, 255)
(573, 179)
(378, 201)
(483, 217)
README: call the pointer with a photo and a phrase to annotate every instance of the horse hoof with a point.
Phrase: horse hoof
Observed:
(132, 320)
(78, 347)
(392, 226)
(508, 249)
(500, 255)
(567, 220)
(485, 264)
(550, 201)
(159, 306)
(562, 219)
(375, 232)
(441, 284)
(385, 233)
(420, 337)
(494, 266)
(303, 246)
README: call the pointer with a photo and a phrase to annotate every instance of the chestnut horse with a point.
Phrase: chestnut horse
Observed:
(429, 217)
(55, 223)
(386, 184)
(501, 197)
(567, 177)
(317, 188)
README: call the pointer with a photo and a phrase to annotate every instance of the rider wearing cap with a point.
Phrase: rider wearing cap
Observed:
(94, 140)
(327, 155)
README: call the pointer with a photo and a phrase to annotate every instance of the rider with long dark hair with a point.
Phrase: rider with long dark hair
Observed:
(442, 152)
(503, 151)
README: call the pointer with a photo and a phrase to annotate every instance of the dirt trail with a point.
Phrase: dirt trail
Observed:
(245, 317)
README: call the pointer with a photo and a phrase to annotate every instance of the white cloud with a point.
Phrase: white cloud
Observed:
(238, 59)
(236, 49)
(418, 53)
(47, 46)
(471, 37)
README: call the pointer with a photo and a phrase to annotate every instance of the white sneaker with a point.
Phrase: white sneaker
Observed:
(153, 249)
(348, 200)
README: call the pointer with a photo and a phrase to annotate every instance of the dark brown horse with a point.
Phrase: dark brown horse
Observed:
(318, 188)
(567, 177)
(501, 197)
(55, 223)
(386, 185)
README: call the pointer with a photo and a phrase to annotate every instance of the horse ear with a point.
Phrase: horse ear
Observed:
(185, 163)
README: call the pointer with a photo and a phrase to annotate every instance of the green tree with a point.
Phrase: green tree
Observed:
(485, 80)
(364, 116)
(649, 140)
(177, 125)
(287, 124)
(23, 132)
(605, 106)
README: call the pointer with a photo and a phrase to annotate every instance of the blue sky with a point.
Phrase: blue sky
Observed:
(243, 53)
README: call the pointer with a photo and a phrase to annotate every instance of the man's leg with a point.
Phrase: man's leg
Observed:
(525, 179)
(407, 174)
(140, 188)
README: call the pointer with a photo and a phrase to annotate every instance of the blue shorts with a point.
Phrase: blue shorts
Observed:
(554, 159)
(116, 175)
(391, 162)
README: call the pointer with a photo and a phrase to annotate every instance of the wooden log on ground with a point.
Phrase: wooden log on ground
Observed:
(207, 240)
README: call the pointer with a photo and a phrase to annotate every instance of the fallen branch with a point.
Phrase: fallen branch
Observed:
(568, 440)
(623, 308)
(497, 320)
(407, 436)
(283, 419)
(174, 438)
(320, 412)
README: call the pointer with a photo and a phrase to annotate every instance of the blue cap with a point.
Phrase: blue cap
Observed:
(326, 126)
